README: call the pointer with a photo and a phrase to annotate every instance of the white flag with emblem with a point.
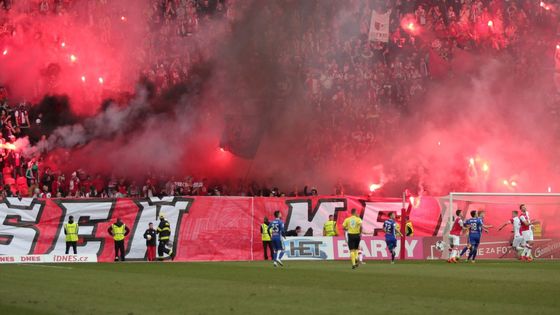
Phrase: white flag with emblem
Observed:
(379, 26)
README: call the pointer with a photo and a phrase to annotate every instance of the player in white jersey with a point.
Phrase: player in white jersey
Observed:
(455, 236)
(517, 243)
(526, 229)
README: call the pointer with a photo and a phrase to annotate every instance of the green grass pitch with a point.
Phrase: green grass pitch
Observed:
(420, 287)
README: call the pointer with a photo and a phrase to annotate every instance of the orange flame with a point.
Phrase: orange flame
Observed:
(7, 146)
(415, 201)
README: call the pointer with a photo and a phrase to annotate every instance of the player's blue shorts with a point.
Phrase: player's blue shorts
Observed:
(391, 242)
(474, 240)
(277, 244)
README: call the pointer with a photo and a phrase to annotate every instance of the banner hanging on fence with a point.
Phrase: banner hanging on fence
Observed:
(216, 228)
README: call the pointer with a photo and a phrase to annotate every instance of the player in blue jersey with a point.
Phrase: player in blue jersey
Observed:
(276, 231)
(391, 233)
(475, 226)
(476, 235)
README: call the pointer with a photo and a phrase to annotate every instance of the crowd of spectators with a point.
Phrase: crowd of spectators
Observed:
(356, 88)
(360, 88)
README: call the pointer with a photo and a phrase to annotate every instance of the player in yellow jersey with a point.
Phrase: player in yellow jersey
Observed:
(353, 227)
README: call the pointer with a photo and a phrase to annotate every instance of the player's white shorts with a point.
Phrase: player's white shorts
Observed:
(527, 235)
(518, 241)
(454, 240)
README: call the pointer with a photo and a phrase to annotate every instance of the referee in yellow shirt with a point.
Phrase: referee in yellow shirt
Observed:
(353, 226)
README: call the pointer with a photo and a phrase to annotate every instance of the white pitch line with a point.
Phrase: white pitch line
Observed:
(46, 266)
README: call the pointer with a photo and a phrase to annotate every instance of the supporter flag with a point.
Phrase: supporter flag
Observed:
(438, 67)
(379, 26)
(242, 135)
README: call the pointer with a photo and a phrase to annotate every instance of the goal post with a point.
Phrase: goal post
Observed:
(543, 208)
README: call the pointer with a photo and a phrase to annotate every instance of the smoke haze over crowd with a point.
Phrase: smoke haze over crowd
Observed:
(491, 119)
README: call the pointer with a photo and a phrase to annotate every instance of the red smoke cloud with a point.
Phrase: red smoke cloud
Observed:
(479, 112)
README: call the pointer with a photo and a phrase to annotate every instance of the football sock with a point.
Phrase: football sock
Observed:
(353, 257)
(474, 250)
(393, 255)
(464, 251)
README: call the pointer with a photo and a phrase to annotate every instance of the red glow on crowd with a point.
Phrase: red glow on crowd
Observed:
(423, 40)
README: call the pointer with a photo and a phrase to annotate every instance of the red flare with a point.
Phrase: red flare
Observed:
(374, 187)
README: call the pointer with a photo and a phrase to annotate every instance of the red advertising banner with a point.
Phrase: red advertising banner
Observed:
(228, 228)
(202, 228)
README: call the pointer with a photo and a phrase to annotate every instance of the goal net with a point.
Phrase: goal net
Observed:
(497, 209)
